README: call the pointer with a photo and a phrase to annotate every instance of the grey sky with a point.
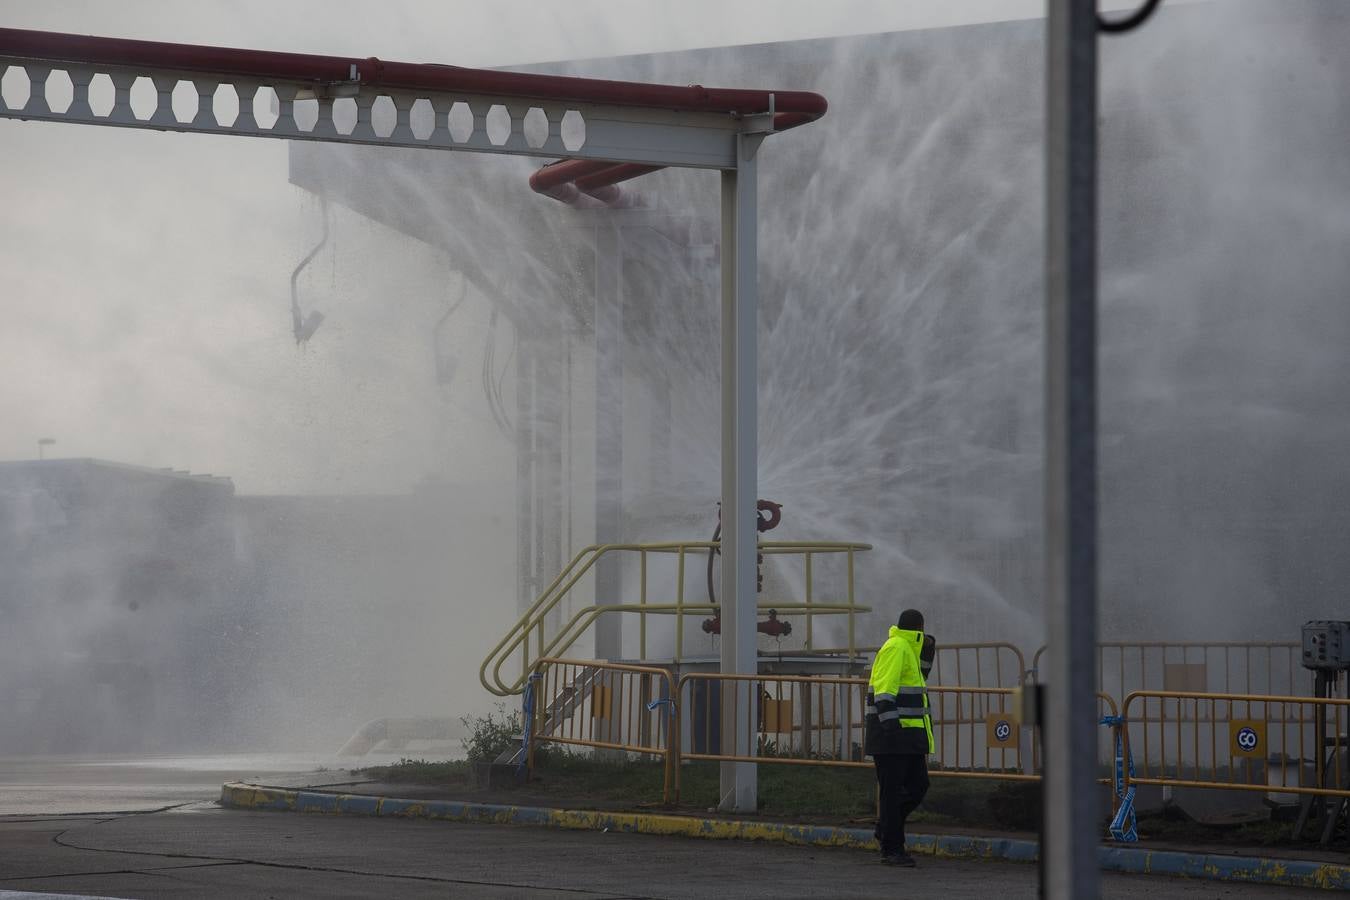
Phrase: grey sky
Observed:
(145, 304)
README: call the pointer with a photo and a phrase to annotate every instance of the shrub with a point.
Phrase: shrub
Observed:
(491, 735)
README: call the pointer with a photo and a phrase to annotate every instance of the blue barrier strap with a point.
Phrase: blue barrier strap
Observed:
(667, 702)
(1123, 825)
(527, 713)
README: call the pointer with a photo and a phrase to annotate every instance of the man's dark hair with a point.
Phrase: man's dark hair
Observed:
(911, 620)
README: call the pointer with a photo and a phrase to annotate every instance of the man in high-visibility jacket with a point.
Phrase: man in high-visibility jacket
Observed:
(899, 730)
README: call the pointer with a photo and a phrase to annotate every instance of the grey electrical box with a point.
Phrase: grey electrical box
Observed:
(1326, 645)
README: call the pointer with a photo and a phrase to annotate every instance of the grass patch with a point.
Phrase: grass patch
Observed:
(420, 771)
(800, 792)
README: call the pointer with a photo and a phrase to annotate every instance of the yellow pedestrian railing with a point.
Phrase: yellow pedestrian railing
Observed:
(978, 664)
(563, 614)
(1281, 745)
(797, 719)
(1238, 667)
(604, 706)
(819, 720)
(976, 734)
(1285, 746)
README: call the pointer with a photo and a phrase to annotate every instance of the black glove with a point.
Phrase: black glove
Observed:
(926, 655)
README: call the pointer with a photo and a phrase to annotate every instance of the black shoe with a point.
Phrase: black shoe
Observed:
(901, 859)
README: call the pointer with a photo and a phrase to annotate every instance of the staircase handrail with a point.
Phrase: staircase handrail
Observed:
(533, 618)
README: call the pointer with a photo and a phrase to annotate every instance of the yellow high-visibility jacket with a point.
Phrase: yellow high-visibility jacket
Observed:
(898, 716)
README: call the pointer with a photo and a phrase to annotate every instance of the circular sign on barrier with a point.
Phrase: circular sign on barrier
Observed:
(1247, 738)
(1002, 729)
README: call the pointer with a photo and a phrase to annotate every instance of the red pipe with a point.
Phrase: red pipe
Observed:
(574, 181)
(567, 180)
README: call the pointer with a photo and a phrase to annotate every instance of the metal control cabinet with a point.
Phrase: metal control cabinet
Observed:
(1326, 645)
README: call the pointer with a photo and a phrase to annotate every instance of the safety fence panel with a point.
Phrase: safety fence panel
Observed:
(605, 706)
(981, 665)
(818, 720)
(1284, 746)
(976, 734)
(993, 664)
(1233, 667)
(798, 719)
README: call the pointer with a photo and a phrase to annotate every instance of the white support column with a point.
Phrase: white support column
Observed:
(740, 305)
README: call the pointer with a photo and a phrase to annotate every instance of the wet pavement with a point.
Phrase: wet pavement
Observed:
(203, 851)
(63, 785)
(59, 834)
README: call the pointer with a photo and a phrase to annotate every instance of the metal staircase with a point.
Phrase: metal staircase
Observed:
(541, 632)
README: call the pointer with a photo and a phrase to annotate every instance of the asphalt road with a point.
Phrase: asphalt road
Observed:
(201, 850)
(149, 827)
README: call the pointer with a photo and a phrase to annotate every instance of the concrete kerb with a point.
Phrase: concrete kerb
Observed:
(1130, 860)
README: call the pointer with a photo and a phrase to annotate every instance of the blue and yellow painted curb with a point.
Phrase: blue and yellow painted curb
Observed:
(1133, 860)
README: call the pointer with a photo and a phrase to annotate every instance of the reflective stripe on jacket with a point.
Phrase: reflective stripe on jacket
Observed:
(898, 716)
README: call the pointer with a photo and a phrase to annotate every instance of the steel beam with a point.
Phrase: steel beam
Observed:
(358, 113)
(1071, 809)
(740, 543)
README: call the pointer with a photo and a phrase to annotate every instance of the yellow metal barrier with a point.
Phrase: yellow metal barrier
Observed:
(605, 706)
(1239, 667)
(1279, 745)
(529, 637)
(979, 664)
(799, 719)
(818, 720)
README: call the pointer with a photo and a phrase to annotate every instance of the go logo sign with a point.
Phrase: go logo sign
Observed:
(1246, 738)
(1000, 731)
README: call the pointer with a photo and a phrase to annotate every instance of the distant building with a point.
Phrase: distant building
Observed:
(114, 587)
(152, 610)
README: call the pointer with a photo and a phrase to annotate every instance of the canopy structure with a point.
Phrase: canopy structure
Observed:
(605, 132)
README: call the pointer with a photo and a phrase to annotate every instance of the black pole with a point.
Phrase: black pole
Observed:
(1069, 847)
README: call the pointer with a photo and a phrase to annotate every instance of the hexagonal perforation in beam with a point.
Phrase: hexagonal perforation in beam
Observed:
(144, 98)
(344, 115)
(60, 90)
(573, 130)
(225, 105)
(422, 118)
(498, 124)
(15, 88)
(383, 116)
(266, 107)
(535, 128)
(102, 94)
(305, 113)
(184, 101)
(460, 122)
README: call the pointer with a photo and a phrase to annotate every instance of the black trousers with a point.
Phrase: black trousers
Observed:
(903, 780)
